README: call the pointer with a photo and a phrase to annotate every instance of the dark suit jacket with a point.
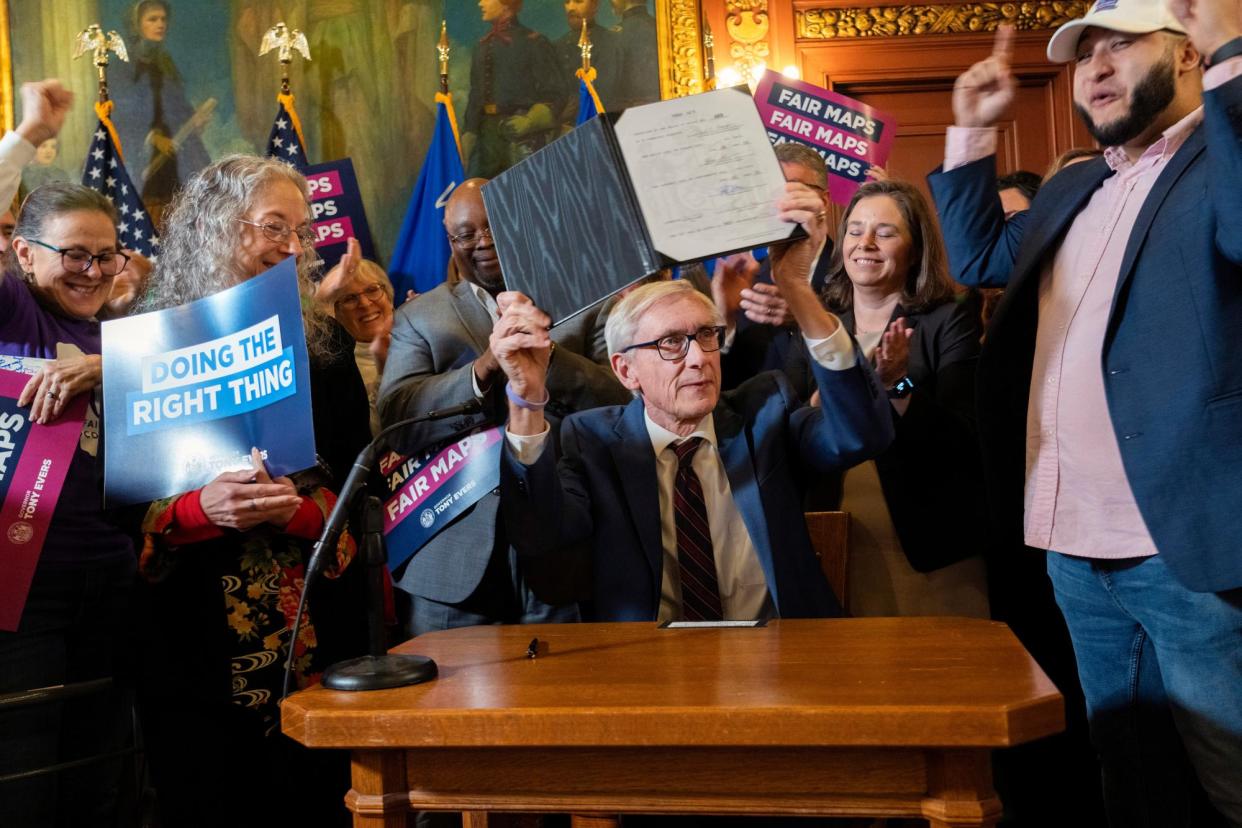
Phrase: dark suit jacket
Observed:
(435, 340)
(604, 491)
(931, 474)
(1170, 358)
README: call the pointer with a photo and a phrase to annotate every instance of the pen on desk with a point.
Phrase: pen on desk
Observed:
(533, 649)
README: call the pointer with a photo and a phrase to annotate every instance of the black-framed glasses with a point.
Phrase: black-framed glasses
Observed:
(675, 346)
(278, 231)
(472, 238)
(77, 260)
(351, 301)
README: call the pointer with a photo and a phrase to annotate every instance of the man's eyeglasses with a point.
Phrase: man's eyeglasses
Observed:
(672, 347)
(278, 231)
(472, 238)
(351, 301)
(75, 260)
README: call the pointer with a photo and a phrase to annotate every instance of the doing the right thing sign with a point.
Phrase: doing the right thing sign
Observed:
(851, 136)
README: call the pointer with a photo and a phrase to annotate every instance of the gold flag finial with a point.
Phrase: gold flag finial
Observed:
(442, 48)
(584, 45)
(286, 41)
(93, 39)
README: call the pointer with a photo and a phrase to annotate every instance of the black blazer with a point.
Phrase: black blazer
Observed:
(931, 474)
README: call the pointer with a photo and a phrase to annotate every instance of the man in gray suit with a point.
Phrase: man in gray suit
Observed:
(439, 357)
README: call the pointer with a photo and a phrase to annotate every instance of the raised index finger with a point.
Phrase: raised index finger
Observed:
(1002, 47)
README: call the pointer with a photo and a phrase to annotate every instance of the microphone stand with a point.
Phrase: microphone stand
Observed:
(378, 669)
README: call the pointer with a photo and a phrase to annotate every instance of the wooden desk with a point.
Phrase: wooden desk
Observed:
(851, 717)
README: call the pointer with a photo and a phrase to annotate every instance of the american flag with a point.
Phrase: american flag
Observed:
(105, 172)
(284, 142)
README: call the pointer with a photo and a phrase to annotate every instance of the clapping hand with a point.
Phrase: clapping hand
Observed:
(892, 356)
(730, 279)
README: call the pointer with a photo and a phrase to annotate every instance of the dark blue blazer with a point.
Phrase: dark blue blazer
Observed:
(1171, 358)
(595, 516)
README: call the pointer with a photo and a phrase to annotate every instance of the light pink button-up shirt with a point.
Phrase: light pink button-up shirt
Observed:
(1078, 500)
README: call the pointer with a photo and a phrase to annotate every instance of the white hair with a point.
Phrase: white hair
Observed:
(624, 318)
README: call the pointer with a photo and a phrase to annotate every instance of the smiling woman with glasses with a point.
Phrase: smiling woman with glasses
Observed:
(57, 276)
(227, 560)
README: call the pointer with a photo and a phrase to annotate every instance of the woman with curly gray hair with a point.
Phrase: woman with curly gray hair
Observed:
(224, 564)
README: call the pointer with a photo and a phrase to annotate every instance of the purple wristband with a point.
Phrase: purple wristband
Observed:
(523, 403)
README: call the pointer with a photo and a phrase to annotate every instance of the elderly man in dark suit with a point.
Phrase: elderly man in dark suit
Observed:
(439, 356)
(690, 501)
(1110, 382)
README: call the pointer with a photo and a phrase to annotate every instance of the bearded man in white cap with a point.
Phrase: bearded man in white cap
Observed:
(1110, 384)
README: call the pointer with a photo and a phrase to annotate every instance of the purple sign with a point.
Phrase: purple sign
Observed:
(851, 136)
(337, 214)
(34, 460)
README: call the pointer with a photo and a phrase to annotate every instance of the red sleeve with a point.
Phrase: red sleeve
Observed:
(190, 523)
(307, 521)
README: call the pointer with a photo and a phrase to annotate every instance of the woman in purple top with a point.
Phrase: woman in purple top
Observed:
(56, 278)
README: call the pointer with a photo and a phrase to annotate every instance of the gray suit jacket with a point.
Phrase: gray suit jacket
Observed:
(435, 340)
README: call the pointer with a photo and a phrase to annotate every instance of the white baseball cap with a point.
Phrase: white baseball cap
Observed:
(1129, 16)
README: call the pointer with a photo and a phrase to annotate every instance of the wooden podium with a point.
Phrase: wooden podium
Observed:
(851, 717)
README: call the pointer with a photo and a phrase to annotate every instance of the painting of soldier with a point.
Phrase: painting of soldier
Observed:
(521, 88)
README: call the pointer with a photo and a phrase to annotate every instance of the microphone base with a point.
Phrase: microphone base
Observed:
(379, 672)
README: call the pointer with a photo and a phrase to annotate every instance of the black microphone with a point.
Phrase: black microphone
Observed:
(355, 483)
(357, 478)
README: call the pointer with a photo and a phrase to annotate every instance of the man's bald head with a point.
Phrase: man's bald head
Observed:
(470, 234)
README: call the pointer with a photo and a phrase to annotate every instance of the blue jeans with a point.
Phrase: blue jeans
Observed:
(1161, 668)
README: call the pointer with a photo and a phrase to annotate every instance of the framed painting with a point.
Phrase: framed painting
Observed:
(195, 88)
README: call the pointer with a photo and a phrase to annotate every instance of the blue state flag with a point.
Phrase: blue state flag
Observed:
(420, 258)
(589, 104)
(104, 172)
(285, 141)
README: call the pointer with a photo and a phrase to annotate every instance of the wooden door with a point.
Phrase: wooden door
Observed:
(912, 79)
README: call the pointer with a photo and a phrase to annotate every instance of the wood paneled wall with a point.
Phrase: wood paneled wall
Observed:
(904, 60)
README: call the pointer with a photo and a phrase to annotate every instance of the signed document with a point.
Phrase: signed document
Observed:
(623, 196)
(704, 174)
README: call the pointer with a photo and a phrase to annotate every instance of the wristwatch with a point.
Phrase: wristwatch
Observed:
(901, 389)
(1232, 48)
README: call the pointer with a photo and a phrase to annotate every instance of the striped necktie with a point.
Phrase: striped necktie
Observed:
(700, 592)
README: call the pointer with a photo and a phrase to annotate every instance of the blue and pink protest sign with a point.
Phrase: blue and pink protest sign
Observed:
(424, 496)
(851, 136)
(34, 460)
(337, 214)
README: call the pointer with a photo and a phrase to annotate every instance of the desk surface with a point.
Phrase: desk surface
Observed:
(916, 682)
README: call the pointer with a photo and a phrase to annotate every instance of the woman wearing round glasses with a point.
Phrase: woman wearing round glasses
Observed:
(361, 298)
(57, 276)
(226, 562)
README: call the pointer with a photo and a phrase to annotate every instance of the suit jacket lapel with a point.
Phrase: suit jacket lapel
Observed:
(636, 469)
(1041, 237)
(735, 453)
(1177, 165)
(474, 317)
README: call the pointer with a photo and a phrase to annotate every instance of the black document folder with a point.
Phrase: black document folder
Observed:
(605, 205)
